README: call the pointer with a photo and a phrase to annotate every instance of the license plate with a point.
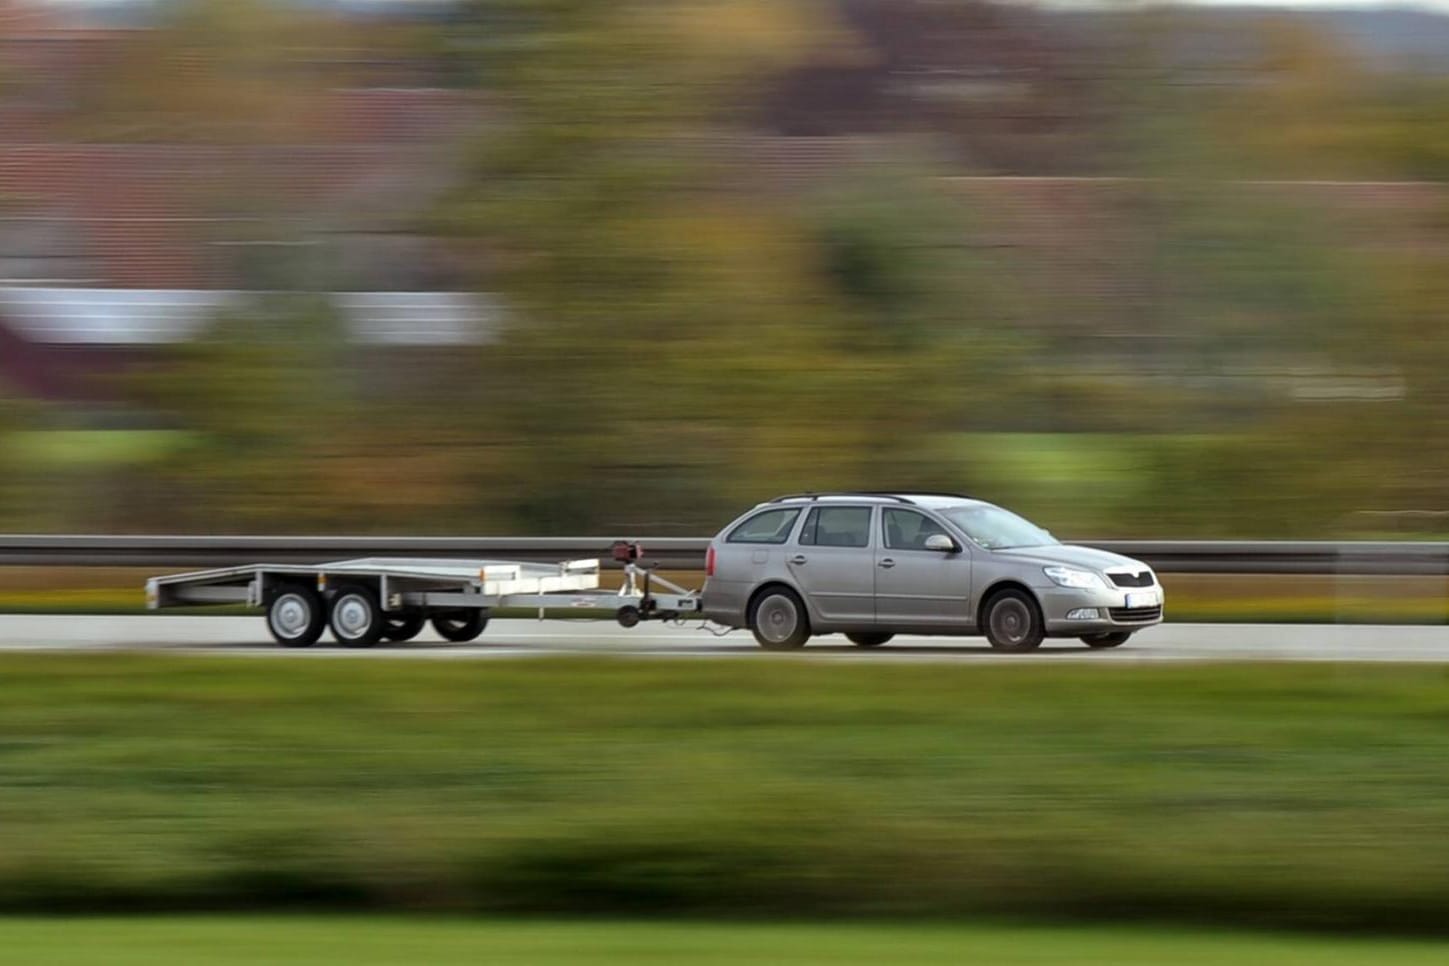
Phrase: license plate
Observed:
(1144, 599)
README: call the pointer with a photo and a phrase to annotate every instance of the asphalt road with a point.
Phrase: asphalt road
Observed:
(521, 638)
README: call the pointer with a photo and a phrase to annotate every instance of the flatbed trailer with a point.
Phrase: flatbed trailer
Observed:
(371, 599)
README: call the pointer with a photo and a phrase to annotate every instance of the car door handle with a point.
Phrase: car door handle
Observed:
(799, 558)
(887, 563)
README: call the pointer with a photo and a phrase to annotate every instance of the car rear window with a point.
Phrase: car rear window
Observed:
(837, 526)
(772, 526)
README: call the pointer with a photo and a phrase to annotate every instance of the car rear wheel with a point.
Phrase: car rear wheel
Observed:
(1013, 622)
(1110, 639)
(873, 639)
(779, 622)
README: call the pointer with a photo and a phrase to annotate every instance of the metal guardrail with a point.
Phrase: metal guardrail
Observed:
(1166, 556)
(225, 551)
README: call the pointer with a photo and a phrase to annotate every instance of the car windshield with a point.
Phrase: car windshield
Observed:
(998, 529)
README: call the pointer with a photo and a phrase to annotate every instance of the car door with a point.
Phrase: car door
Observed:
(915, 586)
(833, 563)
(749, 552)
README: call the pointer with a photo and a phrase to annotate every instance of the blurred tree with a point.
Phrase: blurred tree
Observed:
(8, 458)
(1255, 300)
(1003, 87)
(1407, 442)
(683, 340)
(288, 431)
(1305, 104)
(21, 506)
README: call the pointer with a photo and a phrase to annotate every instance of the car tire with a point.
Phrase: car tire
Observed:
(296, 616)
(356, 618)
(1013, 621)
(779, 621)
(1109, 639)
(872, 639)
(461, 625)
(403, 626)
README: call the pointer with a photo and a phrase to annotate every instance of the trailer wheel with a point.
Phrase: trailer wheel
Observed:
(404, 626)
(462, 625)
(296, 616)
(355, 617)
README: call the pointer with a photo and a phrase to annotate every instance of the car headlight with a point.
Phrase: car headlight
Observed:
(1071, 577)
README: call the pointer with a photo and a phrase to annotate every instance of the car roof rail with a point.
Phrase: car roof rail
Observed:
(870, 493)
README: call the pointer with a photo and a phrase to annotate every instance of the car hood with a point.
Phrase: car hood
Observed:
(1069, 555)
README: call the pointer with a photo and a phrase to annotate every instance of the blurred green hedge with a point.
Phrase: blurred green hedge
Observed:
(1303, 796)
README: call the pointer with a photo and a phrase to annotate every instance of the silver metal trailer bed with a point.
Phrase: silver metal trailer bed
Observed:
(375, 598)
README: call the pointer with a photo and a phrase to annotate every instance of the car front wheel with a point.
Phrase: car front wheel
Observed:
(1013, 622)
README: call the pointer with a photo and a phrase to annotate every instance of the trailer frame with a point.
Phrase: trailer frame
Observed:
(366, 599)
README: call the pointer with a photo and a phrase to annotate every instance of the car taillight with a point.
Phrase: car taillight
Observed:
(709, 563)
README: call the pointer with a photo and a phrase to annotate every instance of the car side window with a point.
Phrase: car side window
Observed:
(837, 526)
(909, 530)
(772, 526)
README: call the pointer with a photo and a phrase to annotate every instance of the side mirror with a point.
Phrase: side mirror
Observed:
(941, 542)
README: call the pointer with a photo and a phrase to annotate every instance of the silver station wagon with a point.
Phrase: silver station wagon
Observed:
(873, 565)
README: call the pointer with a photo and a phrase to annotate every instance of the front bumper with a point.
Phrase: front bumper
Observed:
(1117, 609)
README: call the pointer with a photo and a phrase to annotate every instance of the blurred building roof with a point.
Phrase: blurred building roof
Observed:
(147, 317)
(162, 216)
(127, 201)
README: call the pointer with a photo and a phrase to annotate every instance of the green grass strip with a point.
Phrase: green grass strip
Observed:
(1306, 795)
(440, 942)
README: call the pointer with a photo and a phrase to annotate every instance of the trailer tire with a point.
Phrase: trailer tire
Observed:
(356, 618)
(296, 615)
(461, 625)
(403, 626)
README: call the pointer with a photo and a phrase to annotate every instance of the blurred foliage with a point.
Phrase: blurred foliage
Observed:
(681, 342)
(687, 334)
(732, 789)
(1320, 112)
(290, 424)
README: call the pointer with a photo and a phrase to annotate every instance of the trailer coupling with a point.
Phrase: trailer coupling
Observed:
(640, 581)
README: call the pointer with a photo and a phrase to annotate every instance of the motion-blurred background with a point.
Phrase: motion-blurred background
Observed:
(625, 267)
(564, 266)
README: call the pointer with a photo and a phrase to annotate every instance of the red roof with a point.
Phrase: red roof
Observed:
(149, 213)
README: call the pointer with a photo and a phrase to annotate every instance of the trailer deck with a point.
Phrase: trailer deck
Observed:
(371, 598)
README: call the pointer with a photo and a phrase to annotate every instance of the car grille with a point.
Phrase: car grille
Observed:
(1143, 579)
(1128, 615)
